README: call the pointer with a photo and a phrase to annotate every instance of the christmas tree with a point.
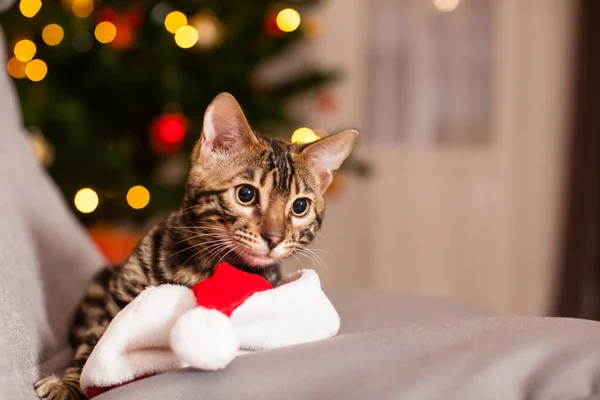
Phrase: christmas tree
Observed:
(115, 91)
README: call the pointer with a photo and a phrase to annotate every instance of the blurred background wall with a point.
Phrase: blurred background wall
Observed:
(475, 214)
(465, 109)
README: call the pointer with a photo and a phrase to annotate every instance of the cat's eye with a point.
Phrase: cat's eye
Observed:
(245, 194)
(300, 207)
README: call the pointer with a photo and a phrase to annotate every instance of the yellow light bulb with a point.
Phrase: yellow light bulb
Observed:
(53, 34)
(30, 7)
(186, 37)
(174, 21)
(86, 200)
(304, 135)
(25, 50)
(446, 5)
(138, 197)
(288, 20)
(82, 8)
(36, 70)
(105, 32)
(16, 68)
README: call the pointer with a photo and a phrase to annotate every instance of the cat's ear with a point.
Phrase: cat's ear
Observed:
(325, 156)
(225, 130)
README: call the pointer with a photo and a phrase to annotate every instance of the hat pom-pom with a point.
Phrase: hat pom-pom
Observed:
(205, 339)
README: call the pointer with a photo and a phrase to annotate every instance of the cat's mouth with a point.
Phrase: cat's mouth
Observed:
(258, 259)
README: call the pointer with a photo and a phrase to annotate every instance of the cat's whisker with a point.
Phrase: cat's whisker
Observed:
(186, 229)
(225, 255)
(186, 249)
(216, 253)
(192, 256)
(323, 251)
(213, 255)
(323, 236)
(185, 210)
(299, 260)
(309, 253)
(214, 245)
(217, 241)
(194, 237)
(306, 256)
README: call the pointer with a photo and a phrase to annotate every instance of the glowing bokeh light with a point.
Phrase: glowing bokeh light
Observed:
(86, 200)
(304, 135)
(30, 7)
(175, 20)
(36, 70)
(82, 8)
(105, 32)
(16, 68)
(288, 20)
(53, 34)
(138, 197)
(186, 37)
(209, 28)
(25, 50)
(446, 5)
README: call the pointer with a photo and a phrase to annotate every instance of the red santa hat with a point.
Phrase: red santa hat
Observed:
(169, 327)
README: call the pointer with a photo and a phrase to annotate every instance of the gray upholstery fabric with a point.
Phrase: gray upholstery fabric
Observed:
(401, 347)
(45, 260)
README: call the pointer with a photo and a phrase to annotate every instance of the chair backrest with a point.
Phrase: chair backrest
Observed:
(46, 259)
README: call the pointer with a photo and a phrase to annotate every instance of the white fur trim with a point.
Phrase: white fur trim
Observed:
(296, 312)
(136, 342)
(204, 339)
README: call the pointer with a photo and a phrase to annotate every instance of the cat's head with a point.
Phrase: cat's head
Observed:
(259, 199)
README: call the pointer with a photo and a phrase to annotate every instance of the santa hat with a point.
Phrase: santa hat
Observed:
(169, 327)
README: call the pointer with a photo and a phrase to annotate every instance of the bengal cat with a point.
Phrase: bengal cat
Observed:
(251, 201)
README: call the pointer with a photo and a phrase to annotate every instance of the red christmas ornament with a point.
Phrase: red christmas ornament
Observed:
(126, 23)
(125, 35)
(107, 14)
(134, 16)
(271, 25)
(167, 132)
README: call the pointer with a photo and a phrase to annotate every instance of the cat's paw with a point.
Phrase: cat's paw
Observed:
(54, 388)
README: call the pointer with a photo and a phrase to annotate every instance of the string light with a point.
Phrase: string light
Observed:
(304, 135)
(25, 50)
(53, 34)
(446, 5)
(138, 197)
(174, 21)
(105, 32)
(288, 20)
(16, 68)
(36, 70)
(82, 8)
(86, 200)
(30, 7)
(186, 37)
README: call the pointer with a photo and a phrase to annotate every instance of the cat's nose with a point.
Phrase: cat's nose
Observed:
(272, 239)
